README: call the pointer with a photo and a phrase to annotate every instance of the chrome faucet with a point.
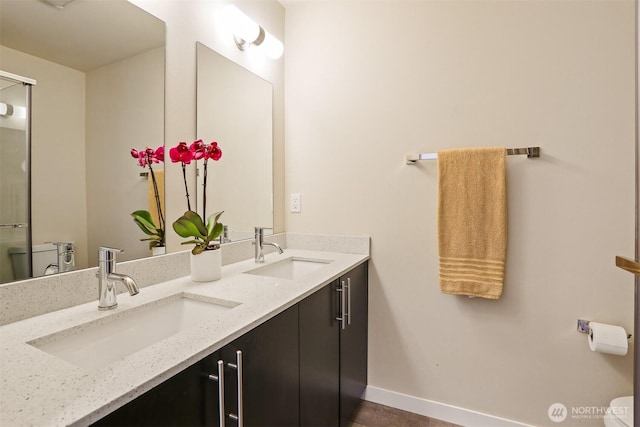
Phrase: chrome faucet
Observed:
(224, 237)
(259, 243)
(66, 256)
(107, 279)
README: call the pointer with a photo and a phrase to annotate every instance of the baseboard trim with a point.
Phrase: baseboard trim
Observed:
(432, 409)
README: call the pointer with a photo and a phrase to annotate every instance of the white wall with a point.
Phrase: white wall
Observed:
(130, 93)
(368, 81)
(191, 21)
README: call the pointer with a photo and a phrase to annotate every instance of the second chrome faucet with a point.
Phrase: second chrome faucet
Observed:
(107, 279)
(259, 243)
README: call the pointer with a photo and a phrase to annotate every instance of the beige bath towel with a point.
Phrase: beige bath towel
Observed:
(472, 221)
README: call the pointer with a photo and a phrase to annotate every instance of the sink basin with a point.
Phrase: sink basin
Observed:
(104, 341)
(290, 268)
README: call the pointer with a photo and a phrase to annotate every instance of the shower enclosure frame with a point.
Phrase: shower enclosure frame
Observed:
(636, 341)
(28, 84)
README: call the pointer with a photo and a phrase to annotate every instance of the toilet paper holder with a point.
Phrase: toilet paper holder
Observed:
(583, 327)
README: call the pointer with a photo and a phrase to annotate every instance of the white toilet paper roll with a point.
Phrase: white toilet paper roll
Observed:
(610, 339)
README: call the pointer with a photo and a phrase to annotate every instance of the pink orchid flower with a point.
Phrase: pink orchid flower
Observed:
(197, 149)
(213, 151)
(160, 154)
(181, 153)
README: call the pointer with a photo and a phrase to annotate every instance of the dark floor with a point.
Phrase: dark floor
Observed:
(374, 415)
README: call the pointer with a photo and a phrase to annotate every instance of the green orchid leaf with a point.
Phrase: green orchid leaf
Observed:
(185, 228)
(146, 215)
(212, 221)
(216, 232)
(143, 227)
(144, 221)
(189, 242)
(197, 221)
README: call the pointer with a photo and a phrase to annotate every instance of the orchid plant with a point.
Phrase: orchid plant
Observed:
(143, 218)
(191, 224)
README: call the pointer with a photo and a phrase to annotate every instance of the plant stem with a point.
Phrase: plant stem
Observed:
(204, 193)
(157, 197)
(186, 188)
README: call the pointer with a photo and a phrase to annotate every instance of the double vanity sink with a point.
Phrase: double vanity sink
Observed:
(101, 342)
(76, 365)
(291, 268)
(98, 343)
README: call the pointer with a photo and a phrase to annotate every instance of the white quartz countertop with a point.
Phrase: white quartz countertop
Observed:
(39, 389)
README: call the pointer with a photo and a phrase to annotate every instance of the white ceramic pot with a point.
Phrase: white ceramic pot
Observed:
(206, 266)
(158, 250)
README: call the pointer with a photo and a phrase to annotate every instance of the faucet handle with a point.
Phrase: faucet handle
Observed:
(108, 254)
(105, 248)
(63, 246)
(260, 230)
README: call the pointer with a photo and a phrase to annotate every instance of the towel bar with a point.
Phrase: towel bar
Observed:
(627, 264)
(530, 152)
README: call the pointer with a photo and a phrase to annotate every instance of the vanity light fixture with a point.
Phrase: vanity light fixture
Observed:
(247, 33)
(6, 110)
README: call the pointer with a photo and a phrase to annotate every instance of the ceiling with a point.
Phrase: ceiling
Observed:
(87, 33)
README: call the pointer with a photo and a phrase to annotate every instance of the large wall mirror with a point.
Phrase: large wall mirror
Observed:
(99, 70)
(235, 109)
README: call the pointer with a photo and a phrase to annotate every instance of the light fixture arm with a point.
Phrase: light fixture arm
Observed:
(247, 32)
(244, 45)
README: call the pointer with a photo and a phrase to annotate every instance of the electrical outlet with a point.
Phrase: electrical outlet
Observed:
(295, 202)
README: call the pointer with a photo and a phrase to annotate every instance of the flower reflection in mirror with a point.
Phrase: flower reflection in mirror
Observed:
(143, 218)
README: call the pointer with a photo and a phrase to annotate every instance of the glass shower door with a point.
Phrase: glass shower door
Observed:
(15, 210)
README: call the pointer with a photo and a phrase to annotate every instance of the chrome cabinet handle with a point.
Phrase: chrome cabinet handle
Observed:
(238, 367)
(220, 379)
(348, 300)
(343, 304)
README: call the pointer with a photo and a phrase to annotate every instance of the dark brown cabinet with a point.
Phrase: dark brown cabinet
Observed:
(261, 381)
(353, 342)
(333, 350)
(320, 358)
(306, 366)
(175, 402)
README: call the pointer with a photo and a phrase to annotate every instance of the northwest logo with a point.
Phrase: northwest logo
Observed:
(557, 412)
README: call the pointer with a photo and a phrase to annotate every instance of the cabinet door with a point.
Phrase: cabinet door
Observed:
(320, 359)
(175, 402)
(353, 343)
(270, 373)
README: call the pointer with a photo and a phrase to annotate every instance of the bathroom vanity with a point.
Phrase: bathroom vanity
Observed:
(306, 366)
(289, 343)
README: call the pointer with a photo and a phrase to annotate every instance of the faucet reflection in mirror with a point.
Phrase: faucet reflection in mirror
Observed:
(206, 261)
(143, 218)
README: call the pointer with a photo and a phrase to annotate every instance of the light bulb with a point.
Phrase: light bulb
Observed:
(271, 46)
(242, 26)
(20, 112)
